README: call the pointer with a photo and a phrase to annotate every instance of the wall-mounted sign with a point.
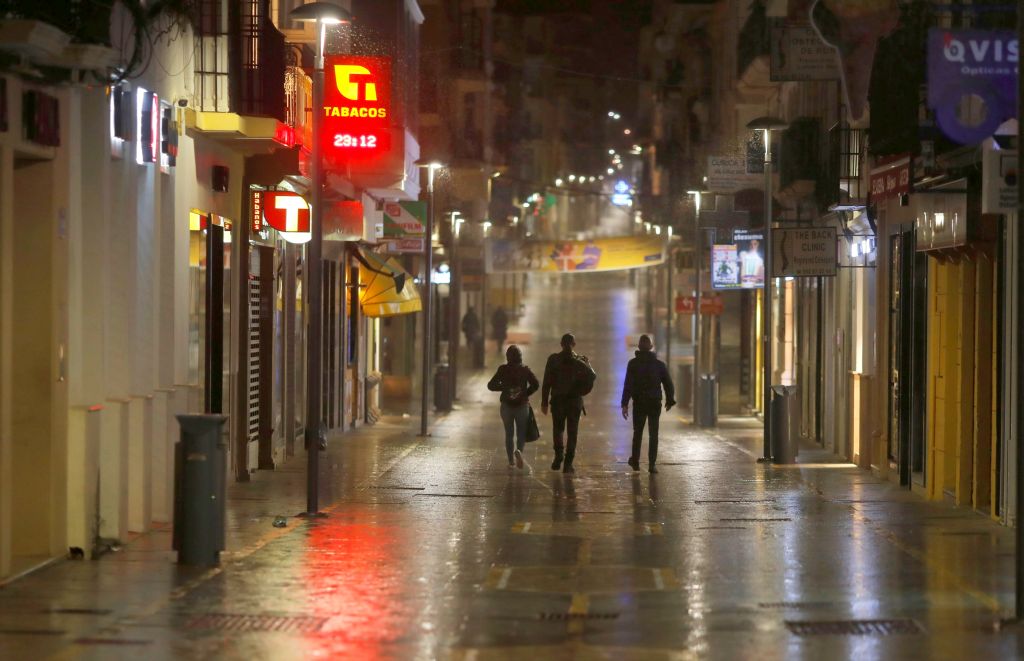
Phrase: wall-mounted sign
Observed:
(402, 246)
(999, 181)
(804, 252)
(621, 196)
(284, 211)
(798, 53)
(343, 220)
(168, 138)
(740, 264)
(404, 219)
(728, 174)
(147, 113)
(357, 106)
(972, 78)
(891, 177)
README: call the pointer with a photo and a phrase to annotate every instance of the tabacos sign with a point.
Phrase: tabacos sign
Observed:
(357, 106)
(972, 77)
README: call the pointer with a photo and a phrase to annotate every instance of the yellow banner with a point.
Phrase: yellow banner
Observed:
(615, 254)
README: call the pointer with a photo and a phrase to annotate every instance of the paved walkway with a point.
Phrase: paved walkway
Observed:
(435, 549)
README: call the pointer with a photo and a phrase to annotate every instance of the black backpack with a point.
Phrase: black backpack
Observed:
(583, 377)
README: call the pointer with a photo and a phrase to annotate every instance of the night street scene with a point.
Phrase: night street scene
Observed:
(473, 330)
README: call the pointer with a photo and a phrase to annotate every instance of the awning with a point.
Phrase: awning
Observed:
(379, 295)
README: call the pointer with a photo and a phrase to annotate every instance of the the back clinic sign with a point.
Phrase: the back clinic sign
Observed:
(357, 106)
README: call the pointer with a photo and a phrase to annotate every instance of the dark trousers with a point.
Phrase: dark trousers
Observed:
(565, 416)
(646, 411)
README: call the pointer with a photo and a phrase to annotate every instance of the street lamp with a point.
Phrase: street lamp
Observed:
(767, 125)
(431, 166)
(323, 14)
(698, 248)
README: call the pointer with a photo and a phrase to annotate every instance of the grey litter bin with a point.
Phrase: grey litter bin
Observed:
(684, 386)
(707, 398)
(785, 424)
(442, 388)
(199, 490)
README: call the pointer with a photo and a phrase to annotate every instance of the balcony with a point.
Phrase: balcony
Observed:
(799, 158)
(753, 70)
(842, 186)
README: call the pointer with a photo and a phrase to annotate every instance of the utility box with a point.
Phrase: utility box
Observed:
(200, 466)
(785, 424)
(707, 400)
(442, 388)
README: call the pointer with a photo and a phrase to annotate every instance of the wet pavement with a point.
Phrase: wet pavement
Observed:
(435, 549)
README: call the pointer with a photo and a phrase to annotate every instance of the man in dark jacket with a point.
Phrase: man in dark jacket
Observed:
(645, 378)
(567, 376)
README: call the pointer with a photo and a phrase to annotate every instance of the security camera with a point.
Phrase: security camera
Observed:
(183, 101)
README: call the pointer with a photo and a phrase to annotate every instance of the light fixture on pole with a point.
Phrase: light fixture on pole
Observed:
(431, 166)
(323, 14)
(698, 252)
(767, 125)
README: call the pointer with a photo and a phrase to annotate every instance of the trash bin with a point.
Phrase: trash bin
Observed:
(785, 424)
(684, 386)
(199, 490)
(442, 388)
(707, 399)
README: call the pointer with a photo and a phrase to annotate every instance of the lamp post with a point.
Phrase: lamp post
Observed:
(698, 253)
(767, 125)
(454, 294)
(428, 268)
(323, 14)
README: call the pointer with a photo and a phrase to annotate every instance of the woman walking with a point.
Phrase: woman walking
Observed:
(516, 383)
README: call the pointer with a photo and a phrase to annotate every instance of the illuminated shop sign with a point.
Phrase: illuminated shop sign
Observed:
(357, 106)
(621, 196)
(282, 210)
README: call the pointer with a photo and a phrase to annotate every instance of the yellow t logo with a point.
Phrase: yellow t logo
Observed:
(349, 88)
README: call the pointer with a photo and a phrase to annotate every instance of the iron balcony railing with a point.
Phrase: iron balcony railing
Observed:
(842, 183)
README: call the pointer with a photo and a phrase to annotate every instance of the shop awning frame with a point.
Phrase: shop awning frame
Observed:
(385, 288)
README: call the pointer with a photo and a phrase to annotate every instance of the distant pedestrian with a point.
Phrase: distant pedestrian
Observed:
(516, 382)
(568, 376)
(646, 376)
(471, 327)
(499, 326)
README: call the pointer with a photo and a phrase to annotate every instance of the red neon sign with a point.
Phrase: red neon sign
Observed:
(357, 106)
(285, 211)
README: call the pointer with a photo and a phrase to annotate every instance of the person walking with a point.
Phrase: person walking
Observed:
(646, 376)
(471, 327)
(568, 376)
(499, 326)
(516, 382)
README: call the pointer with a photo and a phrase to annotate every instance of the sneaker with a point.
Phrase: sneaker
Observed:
(557, 463)
(652, 469)
(519, 459)
(634, 463)
(568, 469)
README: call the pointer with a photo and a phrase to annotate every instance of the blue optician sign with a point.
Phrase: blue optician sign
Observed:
(621, 196)
(968, 66)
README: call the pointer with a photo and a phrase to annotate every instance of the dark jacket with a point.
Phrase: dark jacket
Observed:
(645, 377)
(515, 383)
(560, 375)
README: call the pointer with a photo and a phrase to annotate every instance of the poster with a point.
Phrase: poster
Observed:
(740, 264)
(613, 254)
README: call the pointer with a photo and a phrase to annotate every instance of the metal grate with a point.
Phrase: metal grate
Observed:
(564, 617)
(855, 628)
(278, 623)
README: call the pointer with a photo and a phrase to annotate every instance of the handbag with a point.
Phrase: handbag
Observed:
(532, 430)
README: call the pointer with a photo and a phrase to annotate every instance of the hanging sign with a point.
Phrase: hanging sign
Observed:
(404, 219)
(809, 252)
(972, 78)
(999, 181)
(357, 106)
(891, 178)
(284, 211)
(728, 174)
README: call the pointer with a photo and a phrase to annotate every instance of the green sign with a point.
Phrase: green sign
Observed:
(404, 219)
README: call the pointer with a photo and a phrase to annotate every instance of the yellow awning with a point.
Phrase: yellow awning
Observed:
(378, 295)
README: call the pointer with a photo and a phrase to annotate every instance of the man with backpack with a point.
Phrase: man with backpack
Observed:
(568, 376)
(646, 376)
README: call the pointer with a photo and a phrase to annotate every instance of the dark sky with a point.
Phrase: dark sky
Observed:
(617, 38)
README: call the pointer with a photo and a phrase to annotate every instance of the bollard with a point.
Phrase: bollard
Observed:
(707, 397)
(442, 388)
(199, 490)
(785, 424)
(684, 386)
